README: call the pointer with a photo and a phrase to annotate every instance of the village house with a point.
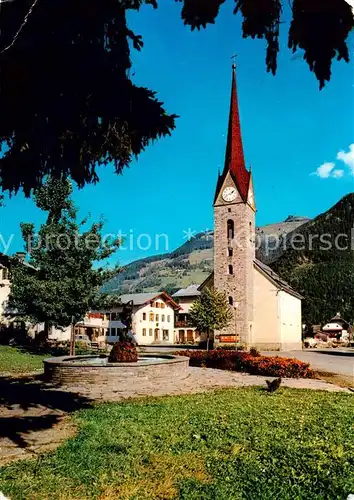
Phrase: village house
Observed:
(5, 285)
(151, 316)
(185, 297)
(9, 318)
(338, 328)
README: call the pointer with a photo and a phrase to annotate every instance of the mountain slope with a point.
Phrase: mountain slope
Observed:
(192, 262)
(320, 263)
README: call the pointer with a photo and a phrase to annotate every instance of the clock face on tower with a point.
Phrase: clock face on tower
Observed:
(229, 194)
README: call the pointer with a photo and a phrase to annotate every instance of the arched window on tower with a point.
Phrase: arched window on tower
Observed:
(231, 301)
(230, 229)
(231, 269)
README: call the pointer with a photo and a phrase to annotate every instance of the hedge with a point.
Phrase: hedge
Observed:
(271, 366)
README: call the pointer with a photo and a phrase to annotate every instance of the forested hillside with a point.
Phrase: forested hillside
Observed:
(320, 263)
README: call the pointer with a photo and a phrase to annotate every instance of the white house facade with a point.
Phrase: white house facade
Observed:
(185, 297)
(151, 316)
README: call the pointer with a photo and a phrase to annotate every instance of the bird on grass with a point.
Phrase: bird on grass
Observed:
(273, 385)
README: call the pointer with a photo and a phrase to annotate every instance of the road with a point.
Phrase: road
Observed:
(338, 361)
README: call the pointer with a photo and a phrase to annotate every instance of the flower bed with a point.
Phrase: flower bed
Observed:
(271, 366)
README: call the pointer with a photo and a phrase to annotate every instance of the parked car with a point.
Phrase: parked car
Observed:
(310, 342)
(83, 338)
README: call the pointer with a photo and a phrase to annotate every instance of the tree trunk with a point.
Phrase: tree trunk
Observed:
(72, 340)
(208, 339)
(46, 330)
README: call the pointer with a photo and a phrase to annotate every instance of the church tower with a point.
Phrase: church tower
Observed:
(234, 230)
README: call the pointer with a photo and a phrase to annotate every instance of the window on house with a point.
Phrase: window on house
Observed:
(113, 332)
(162, 305)
(165, 335)
(151, 316)
(152, 304)
(162, 317)
(157, 317)
(230, 229)
(144, 316)
(230, 252)
(144, 332)
(150, 332)
(231, 270)
(114, 316)
(168, 318)
(157, 304)
(231, 301)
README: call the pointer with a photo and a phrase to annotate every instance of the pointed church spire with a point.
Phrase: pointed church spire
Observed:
(234, 158)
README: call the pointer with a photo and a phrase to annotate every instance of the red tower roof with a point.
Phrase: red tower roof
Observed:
(234, 158)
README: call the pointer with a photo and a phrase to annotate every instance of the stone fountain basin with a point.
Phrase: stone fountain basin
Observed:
(92, 369)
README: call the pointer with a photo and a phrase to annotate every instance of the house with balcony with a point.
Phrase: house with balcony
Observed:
(149, 316)
(185, 298)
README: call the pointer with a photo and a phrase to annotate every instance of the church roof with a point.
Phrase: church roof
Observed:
(268, 273)
(276, 279)
(234, 157)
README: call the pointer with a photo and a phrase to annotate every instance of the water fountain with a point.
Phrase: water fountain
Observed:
(91, 369)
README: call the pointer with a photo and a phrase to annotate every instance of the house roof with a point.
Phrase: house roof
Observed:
(338, 319)
(5, 260)
(190, 291)
(269, 274)
(234, 157)
(139, 299)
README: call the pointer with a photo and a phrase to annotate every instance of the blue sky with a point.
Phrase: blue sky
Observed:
(290, 129)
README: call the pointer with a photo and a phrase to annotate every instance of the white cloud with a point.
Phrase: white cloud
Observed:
(347, 158)
(328, 170)
(337, 173)
(325, 170)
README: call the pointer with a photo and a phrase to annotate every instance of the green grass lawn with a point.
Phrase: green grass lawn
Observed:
(232, 444)
(14, 360)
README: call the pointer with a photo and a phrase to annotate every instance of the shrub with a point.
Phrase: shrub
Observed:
(123, 351)
(254, 352)
(270, 366)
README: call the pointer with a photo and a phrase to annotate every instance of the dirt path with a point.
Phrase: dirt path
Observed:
(34, 416)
